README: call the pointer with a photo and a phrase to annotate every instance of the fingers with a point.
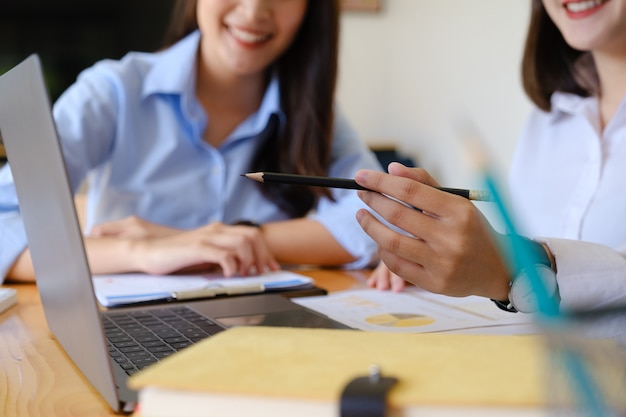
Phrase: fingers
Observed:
(380, 278)
(417, 174)
(391, 241)
(447, 247)
(158, 256)
(397, 283)
(238, 250)
(405, 218)
(248, 244)
(412, 272)
(412, 186)
(383, 279)
(405, 257)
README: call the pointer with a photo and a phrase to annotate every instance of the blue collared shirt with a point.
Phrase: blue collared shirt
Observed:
(133, 129)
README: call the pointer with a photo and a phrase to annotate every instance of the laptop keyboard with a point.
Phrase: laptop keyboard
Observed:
(137, 339)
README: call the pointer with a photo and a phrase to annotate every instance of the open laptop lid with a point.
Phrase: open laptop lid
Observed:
(57, 251)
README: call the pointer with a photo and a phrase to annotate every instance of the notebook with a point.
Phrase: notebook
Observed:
(63, 276)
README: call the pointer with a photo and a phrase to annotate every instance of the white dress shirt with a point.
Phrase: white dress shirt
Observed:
(567, 187)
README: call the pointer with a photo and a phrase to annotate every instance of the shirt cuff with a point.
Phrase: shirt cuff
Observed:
(589, 275)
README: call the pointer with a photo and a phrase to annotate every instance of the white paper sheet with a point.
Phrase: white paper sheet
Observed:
(124, 289)
(417, 311)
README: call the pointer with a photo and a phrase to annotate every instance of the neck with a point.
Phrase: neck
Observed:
(612, 74)
(229, 91)
(227, 98)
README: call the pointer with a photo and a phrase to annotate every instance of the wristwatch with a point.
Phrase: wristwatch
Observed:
(522, 296)
(246, 223)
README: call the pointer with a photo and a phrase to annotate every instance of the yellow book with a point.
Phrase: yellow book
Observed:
(271, 371)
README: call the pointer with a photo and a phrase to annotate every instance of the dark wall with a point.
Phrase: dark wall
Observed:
(70, 35)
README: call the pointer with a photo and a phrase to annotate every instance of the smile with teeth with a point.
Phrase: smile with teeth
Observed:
(582, 6)
(248, 37)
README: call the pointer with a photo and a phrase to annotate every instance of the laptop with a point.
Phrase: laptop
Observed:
(62, 271)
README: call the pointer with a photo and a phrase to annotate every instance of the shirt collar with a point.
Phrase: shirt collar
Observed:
(257, 121)
(568, 104)
(174, 70)
(572, 104)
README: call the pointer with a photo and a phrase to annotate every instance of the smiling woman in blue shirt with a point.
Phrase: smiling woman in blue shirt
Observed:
(163, 138)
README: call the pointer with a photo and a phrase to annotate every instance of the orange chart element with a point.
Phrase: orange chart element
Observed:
(400, 320)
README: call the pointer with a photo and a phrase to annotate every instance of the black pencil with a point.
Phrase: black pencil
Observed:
(315, 181)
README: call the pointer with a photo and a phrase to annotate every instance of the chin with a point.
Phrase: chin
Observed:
(583, 41)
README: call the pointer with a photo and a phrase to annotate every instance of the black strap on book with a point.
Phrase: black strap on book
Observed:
(366, 396)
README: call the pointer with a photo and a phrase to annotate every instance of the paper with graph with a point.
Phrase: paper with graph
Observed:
(417, 311)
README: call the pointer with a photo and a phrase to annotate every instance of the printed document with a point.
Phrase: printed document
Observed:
(417, 311)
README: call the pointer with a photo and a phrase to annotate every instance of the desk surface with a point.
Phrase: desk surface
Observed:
(38, 379)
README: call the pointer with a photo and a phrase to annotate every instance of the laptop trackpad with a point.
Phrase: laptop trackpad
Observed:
(293, 318)
(263, 310)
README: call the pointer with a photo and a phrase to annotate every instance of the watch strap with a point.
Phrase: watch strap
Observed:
(541, 257)
(505, 305)
(249, 223)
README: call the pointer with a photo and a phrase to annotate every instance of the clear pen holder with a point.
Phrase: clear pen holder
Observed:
(587, 363)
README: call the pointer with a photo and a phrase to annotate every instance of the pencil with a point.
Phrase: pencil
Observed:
(315, 181)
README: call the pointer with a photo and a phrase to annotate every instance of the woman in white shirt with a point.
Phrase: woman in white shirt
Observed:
(566, 180)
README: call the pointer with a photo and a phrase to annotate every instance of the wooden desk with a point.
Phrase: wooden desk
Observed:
(38, 379)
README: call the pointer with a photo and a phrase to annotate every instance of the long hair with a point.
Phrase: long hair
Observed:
(549, 64)
(307, 73)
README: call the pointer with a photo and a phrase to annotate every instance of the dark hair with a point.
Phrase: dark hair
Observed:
(307, 71)
(550, 64)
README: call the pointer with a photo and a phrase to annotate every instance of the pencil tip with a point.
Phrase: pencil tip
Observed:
(256, 176)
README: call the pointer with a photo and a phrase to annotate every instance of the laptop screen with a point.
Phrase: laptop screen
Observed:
(51, 225)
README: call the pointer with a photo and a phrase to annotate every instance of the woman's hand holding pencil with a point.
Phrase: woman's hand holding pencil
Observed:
(447, 248)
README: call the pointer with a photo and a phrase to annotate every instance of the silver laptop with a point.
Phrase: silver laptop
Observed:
(63, 276)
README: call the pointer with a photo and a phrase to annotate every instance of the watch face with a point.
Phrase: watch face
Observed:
(523, 296)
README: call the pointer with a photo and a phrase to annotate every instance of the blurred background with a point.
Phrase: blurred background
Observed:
(412, 70)
(71, 35)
